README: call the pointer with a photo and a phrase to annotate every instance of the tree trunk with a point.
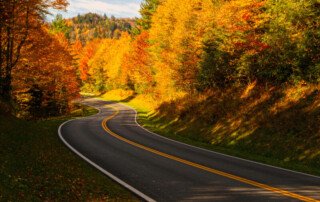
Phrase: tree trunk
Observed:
(6, 88)
(6, 82)
(12, 49)
(1, 56)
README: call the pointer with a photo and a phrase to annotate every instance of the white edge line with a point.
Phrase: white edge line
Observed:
(124, 184)
(214, 152)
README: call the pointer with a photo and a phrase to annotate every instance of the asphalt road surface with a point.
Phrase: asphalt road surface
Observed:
(159, 169)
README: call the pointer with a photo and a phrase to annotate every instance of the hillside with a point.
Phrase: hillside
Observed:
(91, 26)
(274, 125)
(239, 75)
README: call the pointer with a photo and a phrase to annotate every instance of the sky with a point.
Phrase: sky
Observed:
(118, 8)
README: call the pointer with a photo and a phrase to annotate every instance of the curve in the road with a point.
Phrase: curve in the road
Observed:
(154, 167)
(229, 156)
(189, 163)
(116, 179)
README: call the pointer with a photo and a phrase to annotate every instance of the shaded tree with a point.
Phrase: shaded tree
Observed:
(17, 17)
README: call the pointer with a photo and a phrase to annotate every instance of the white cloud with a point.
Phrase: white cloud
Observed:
(118, 8)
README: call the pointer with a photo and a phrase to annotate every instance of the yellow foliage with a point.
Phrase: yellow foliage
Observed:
(117, 94)
(105, 65)
(293, 95)
(176, 36)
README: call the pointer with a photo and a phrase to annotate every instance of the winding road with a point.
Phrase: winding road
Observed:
(158, 169)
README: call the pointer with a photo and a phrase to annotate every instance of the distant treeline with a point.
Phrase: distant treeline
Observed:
(92, 26)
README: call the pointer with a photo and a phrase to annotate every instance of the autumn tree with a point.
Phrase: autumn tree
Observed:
(269, 41)
(136, 68)
(176, 36)
(86, 54)
(97, 70)
(147, 9)
(17, 18)
(44, 80)
(76, 49)
(292, 33)
(234, 38)
(106, 64)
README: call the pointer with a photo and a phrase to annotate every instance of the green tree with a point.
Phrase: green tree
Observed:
(292, 32)
(59, 25)
(147, 9)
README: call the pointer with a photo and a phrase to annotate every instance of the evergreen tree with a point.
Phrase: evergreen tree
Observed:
(148, 7)
(59, 25)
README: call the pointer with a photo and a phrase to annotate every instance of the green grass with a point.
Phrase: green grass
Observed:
(189, 136)
(189, 133)
(37, 166)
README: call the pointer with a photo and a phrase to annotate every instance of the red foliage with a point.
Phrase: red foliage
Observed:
(87, 53)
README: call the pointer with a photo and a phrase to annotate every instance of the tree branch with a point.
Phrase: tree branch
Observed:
(23, 39)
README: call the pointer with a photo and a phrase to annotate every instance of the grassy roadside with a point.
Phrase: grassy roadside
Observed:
(161, 127)
(36, 166)
(160, 124)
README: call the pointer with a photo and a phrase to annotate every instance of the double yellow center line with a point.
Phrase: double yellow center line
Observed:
(211, 170)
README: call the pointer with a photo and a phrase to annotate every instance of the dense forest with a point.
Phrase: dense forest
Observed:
(235, 65)
(244, 73)
(91, 26)
(37, 76)
(194, 46)
(38, 60)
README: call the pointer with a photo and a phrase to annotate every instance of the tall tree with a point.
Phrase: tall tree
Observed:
(136, 67)
(17, 17)
(176, 35)
(106, 64)
(59, 25)
(46, 73)
(148, 7)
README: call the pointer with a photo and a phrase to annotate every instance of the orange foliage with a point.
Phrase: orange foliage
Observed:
(76, 49)
(101, 64)
(47, 64)
(137, 61)
(87, 53)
